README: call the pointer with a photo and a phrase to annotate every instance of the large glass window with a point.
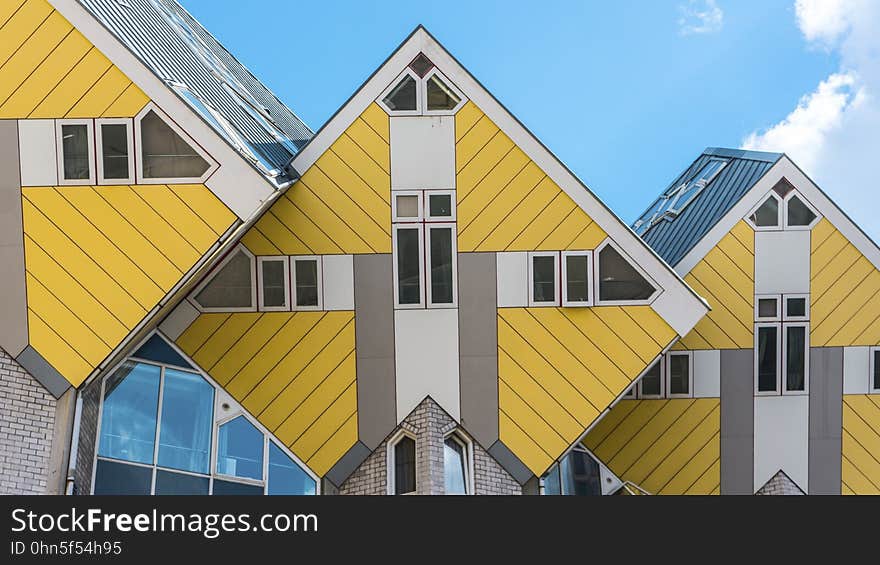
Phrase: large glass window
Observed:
(455, 465)
(240, 449)
(165, 154)
(131, 399)
(619, 280)
(232, 286)
(576, 474)
(187, 417)
(285, 476)
(403, 465)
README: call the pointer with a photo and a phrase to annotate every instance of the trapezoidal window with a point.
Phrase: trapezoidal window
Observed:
(165, 154)
(232, 287)
(798, 213)
(767, 214)
(440, 96)
(619, 280)
(403, 97)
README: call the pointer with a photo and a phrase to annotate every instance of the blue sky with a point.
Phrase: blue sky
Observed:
(626, 93)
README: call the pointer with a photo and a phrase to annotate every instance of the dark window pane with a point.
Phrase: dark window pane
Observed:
(240, 449)
(543, 279)
(128, 419)
(166, 154)
(454, 463)
(178, 483)
(421, 65)
(157, 349)
(768, 214)
(273, 283)
(440, 96)
(231, 286)
(798, 213)
(651, 381)
(114, 150)
(403, 96)
(118, 478)
(877, 370)
(576, 279)
(440, 205)
(796, 358)
(285, 476)
(408, 267)
(187, 416)
(797, 307)
(551, 482)
(767, 359)
(306, 282)
(232, 488)
(580, 475)
(767, 308)
(405, 466)
(441, 265)
(679, 374)
(75, 150)
(618, 280)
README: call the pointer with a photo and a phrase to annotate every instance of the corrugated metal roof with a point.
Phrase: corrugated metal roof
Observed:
(171, 43)
(673, 238)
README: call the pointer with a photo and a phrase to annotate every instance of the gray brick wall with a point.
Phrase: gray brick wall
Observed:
(429, 424)
(88, 432)
(27, 421)
(780, 484)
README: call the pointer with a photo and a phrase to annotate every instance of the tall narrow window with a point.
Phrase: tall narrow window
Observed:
(577, 280)
(408, 265)
(306, 283)
(619, 280)
(651, 383)
(186, 422)
(543, 281)
(795, 358)
(441, 245)
(76, 152)
(875, 377)
(403, 466)
(116, 161)
(679, 374)
(274, 288)
(240, 449)
(128, 422)
(767, 364)
(455, 465)
(165, 154)
(232, 287)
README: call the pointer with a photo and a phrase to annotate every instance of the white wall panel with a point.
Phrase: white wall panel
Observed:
(707, 374)
(782, 262)
(423, 152)
(782, 438)
(175, 323)
(856, 370)
(36, 143)
(338, 282)
(513, 279)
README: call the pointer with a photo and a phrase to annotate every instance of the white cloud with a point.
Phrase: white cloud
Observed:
(833, 133)
(700, 17)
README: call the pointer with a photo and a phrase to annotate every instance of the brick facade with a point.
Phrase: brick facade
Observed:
(780, 484)
(27, 422)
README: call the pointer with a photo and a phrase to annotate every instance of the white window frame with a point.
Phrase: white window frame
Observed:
(468, 451)
(661, 362)
(779, 359)
(805, 317)
(423, 93)
(287, 277)
(780, 212)
(427, 291)
(264, 482)
(219, 267)
(564, 280)
(872, 365)
(779, 306)
(674, 209)
(394, 252)
(141, 179)
(389, 461)
(419, 98)
(319, 269)
(598, 280)
(668, 360)
(59, 140)
(783, 372)
(406, 219)
(556, 278)
(426, 201)
(806, 203)
(99, 150)
(631, 392)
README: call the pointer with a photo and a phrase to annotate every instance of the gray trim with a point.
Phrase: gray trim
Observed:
(826, 420)
(374, 337)
(478, 345)
(510, 462)
(347, 464)
(737, 422)
(59, 457)
(13, 295)
(41, 370)
(532, 486)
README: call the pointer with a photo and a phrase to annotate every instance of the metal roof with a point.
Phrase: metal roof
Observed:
(171, 43)
(673, 238)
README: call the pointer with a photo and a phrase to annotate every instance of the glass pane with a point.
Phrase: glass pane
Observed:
(285, 476)
(408, 267)
(767, 214)
(679, 374)
(306, 273)
(114, 150)
(767, 308)
(128, 420)
(877, 370)
(795, 377)
(421, 65)
(178, 483)
(75, 149)
(166, 154)
(441, 265)
(118, 478)
(440, 205)
(651, 381)
(798, 213)
(407, 206)
(231, 286)
(580, 475)
(551, 482)
(273, 284)
(796, 307)
(403, 96)
(187, 415)
(240, 450)
(405, 466)
(157, 349)
(440, 96)
(618, 280)
(238, 489)
(576, 280)
(454, 461)
(767, 359)
(543, 279)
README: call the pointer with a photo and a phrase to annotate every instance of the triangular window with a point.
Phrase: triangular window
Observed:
(232, 286)
(157, 349)
(440, 96)
(798, 213)
(403, 96)
(619, 280)
(165, 153)
(767, 214)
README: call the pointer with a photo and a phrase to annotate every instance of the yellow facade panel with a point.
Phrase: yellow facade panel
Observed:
(294, 212)
(8, 9)
(371, 143)
(64, 358)
(227, 335)
(203, 202)
(335, 447)
(529, 419)
(128, 104)
(567, 231)
(473, 141)
(378, 120)
(350, 165)
(488, 157)
(169, 206)
(20, 23)
(498, 179)
(31, 54)
(465, 119)
(333, 419)
(860, 455)
(105, 91)
(248, 346)
(544, 223)
(74, 86)
(200, 330)
(529, 452)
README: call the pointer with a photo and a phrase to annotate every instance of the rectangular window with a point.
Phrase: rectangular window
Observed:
(306, 282)
(274, 283)
(76, 152)
(797, 307)
(875, 370)
(796, 355)
(543, 280)
(767, 358)
(441, 264)
(767, 308)
(406, 206)
(440, 205)
(577, 269)
(651, 383)
(680, 374)
(116, 151)
(408, 272)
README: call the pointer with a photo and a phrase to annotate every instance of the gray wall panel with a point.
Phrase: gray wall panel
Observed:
(478, 346)
(826, 419)
(737, 421)
(41, 370)
(374, 336)
(13, 300)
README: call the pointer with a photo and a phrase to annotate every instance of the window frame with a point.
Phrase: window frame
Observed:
(427, 291)
(674, 209)
(59, 140)
(811, 225)
(140, 178)
(423, 93)
(420, 228)
(783, 372)
(99, 150)
(218, 423)
(215, 271)
(779, 358)
(390, 475)
(786, 317)
(426, 202)
(564, 279)
(668, 374)
(468, 451)
(778, 316)
(597, 278)
(292, 261)
(660, 361)
(407, 220)
(556, 279)
(419, 103)
(285, 260)
(780, 212)
(872, 366)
